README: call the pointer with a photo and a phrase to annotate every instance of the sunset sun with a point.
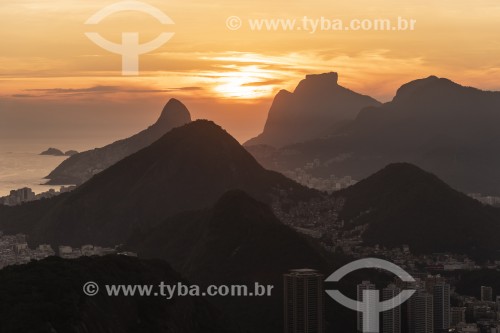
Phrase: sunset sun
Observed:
(245, 82)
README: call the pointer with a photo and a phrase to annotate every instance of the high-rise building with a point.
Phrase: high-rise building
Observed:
(365, 285)
(421, 312)
(441, 305)
(457, 316)
(391, 319)
(303, 301)
(431, 281)
(486, 294)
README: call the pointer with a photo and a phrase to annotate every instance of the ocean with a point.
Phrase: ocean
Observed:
(18, 170)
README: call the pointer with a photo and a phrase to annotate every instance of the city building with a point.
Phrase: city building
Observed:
(365, 285)
(486, 294)
(483, 311)
(457, 316)
(68, 252)
(14, 250)
(432, 280)
(441, 306)
(497, 303)
(303, 301)
(16, 197)
(20, 196)
(467, 328)
(391, 319)
(421, 312)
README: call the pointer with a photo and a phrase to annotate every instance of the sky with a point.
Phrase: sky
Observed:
(58, 88)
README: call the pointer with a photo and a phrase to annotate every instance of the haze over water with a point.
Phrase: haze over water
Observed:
(18, 170)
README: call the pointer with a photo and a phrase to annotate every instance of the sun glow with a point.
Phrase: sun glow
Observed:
(245, 82)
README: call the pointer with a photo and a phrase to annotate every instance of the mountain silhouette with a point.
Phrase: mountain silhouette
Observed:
(82, 166)
(237, 241)
(52, 152)
(228, 243)
(439, 125)
(318, 105)
(188, 168)
(55, 301)
(402, 204)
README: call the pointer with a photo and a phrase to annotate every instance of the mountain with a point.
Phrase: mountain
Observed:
(228, 243)
(46, 296)
(52, 152)
(402, 204)
(188, 168)
(82, 166)
(317, 106)
(237, 241)
(434, 123)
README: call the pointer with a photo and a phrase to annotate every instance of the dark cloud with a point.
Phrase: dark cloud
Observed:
(95, 89)
(24, 96)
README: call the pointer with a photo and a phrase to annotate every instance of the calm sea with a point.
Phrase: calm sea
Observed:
(18, 170)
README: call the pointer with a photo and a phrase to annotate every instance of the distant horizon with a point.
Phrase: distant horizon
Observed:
(104, 133)
(68, 89)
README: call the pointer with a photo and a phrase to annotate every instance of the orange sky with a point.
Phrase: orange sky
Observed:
(59, 87)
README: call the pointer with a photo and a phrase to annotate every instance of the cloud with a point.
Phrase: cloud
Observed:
(187, 88)
(95, 89)
(107, 90)
(264, 83)
(24, 96)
